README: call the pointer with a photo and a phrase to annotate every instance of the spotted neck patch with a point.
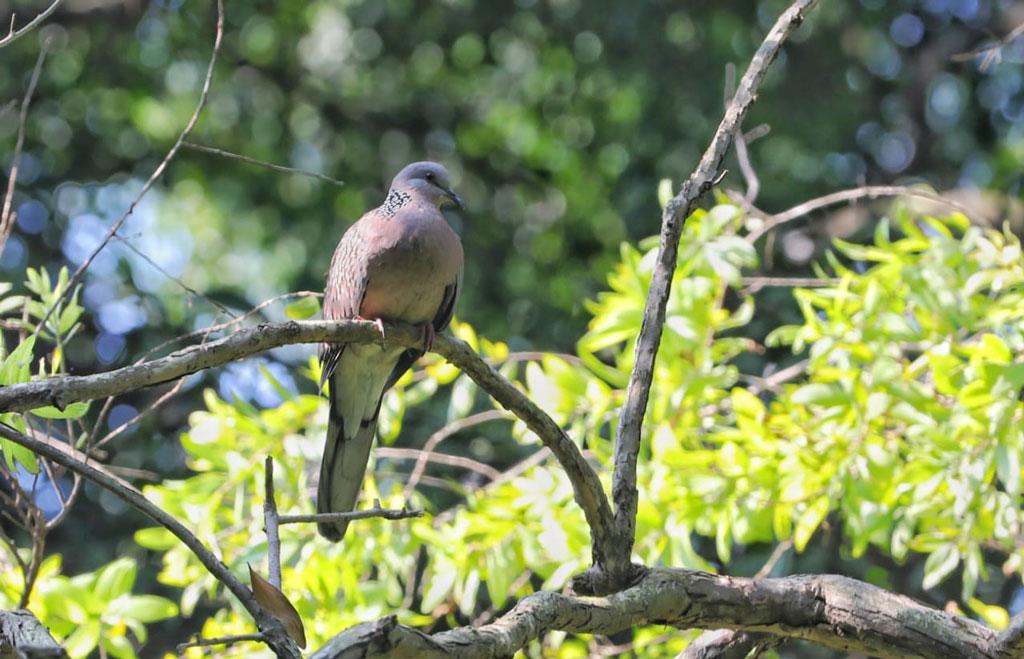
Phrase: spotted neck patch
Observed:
(394, 201)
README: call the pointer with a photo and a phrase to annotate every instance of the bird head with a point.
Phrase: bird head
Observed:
(428, 179)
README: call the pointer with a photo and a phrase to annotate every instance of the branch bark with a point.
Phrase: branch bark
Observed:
(833, 611)
(62, 391)
(619, 570)
(22, 636)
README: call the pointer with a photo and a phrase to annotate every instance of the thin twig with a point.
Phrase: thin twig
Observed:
(270, 524)
(167, 275)
(754, 284)
(773, 559)
(157, 173)
(148, 409)
(383, 513)
(990, 53)
(462, 462)
(740, 141)
(13, 34)
(619, 569)
(222, 640)
(864, 192)
(261, 163)
(6, 213)
(439, 436)
(235, 320)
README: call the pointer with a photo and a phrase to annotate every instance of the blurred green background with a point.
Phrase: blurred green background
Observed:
(557, 119)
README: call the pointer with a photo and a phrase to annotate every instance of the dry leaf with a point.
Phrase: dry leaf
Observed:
(274, 601)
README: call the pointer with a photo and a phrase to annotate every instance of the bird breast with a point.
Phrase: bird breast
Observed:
(406, 280)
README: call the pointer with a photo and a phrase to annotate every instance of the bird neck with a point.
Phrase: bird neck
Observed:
(395, 200)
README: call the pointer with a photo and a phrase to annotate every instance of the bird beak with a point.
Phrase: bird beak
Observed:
(455, 199)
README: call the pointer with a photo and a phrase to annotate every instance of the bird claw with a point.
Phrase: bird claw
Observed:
(380, 328)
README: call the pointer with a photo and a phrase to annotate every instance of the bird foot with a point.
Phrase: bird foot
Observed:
(428, 335)
(380, 328)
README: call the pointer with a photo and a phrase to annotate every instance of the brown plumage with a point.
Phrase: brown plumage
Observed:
(399, 262)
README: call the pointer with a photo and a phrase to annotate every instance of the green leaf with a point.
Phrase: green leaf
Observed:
(463, 397)
(82, 641)
(15, 368)
(827, 395)
(723, 538)
(115, 579)
(939, 564)
(18, 453)
(441, 583)
(117, 645)
(303, 308)
(995, 616)
(72, 411)
(809, 522)
(156, 538)
(499, 575)
(144, 608)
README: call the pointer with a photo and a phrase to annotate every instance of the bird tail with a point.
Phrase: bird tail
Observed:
(341, 471)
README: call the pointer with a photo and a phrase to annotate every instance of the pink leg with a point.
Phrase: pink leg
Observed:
(428, 335)
(380, 327)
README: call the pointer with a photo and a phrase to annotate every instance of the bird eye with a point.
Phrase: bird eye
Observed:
(430, 176)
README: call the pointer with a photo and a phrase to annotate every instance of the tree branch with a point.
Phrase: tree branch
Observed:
(13, 35)
(6, 214)
(62, 391)
(22, 636)
(729, 644)
(853, 194)
(627, 442)
(833, 611)
(273, 631)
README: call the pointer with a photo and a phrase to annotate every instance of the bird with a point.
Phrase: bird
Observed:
(400, 262)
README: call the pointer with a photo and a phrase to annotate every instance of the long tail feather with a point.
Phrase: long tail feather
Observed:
(341, 472)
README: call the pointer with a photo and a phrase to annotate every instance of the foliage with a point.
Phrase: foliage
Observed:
(90, 610)
(555, 117)
(902, 431)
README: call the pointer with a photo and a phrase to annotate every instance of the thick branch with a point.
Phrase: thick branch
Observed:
(61, 391)
(627, 442)
(273, 632)
(22, 636)
(833, 611)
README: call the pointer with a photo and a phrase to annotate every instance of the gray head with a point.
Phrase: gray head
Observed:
(428, 179)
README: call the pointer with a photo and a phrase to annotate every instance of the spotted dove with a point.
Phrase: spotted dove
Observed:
(399, 262)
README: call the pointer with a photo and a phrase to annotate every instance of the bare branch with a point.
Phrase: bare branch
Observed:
(627, 443)
(439, 436)
(261, 163)
(273, 631)
(990, 53)
(865, 192)
(376, 511)
(221, 640)
(13, 35)
(61, 391)
(469, 464)
(834, 611)
(6, 214)
(271, 521)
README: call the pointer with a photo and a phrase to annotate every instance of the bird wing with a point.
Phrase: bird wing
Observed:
(346, 286)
